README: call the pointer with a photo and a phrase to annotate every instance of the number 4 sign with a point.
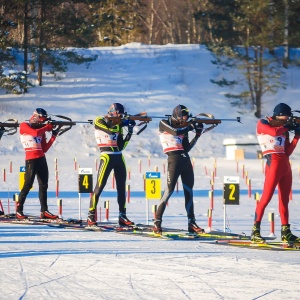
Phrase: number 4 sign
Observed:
(85, 180)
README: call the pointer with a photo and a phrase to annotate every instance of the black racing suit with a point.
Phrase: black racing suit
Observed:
(176, 145)
(111, 143)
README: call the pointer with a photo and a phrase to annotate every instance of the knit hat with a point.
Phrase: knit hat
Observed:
(282, 109)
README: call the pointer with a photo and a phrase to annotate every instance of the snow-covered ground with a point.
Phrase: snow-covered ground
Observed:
(38, 262)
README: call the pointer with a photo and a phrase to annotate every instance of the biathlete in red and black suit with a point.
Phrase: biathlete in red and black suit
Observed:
(276, 148)
(110, 140)
(36, 145)
(173, 135)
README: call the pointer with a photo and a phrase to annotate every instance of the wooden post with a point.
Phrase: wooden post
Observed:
(128, 193)
(211, 197)
(106, 206)
(272, 223)
(59, 204)
(57, 188)
(209, 214)
(257, 198)
(154, 209)
(249, 188)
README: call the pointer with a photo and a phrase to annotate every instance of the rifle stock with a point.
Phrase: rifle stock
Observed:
(12, 124)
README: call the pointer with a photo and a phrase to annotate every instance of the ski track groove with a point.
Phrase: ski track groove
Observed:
(57, 280)
(23, 275)
(210, 286)
(182, 290)
(54, 261)
(265, 294)
(132, 287)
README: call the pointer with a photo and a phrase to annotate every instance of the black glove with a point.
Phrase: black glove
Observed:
(191, 126)
(198, 128)
(297, 131)
(2, 130)
(131, 124)
(55, 132)
(290, 126)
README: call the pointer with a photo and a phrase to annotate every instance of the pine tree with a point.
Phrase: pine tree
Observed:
(244, 34)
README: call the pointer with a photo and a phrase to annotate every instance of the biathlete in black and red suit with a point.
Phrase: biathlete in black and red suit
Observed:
(173, 135)
(276, 148)
(36, 145)
(110, 140)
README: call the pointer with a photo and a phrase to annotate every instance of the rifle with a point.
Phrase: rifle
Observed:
(206, 119)
(57, 125)
(12, 124)
(142, 117)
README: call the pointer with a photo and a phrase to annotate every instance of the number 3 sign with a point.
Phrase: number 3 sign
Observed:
(153, 190)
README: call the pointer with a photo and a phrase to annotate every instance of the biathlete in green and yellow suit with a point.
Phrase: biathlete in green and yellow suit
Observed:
(109, 138)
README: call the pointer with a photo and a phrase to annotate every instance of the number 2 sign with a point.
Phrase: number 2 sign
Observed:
(231, 191)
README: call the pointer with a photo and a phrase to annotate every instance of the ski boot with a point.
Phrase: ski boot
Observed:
(255, 234)
(287, 236)
(48, 215)
(91, 221)
(124, 221)
(157, 227)
(193, 227)
(20, 215)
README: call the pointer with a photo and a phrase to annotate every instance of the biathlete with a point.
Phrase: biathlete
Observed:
(110, 140)
(36, 145)
(273, 137)
(174, 139)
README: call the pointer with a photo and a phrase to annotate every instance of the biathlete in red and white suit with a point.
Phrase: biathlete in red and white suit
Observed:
(175, 143)
(109, 138)
(276, 148)
(36, 145)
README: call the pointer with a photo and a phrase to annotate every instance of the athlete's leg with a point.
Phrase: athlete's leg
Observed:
(187, 178)
(272, 177)
(30, 172)
(284, 189)
(42, 177)
(120, 176)
(173, 172)
(105, 167)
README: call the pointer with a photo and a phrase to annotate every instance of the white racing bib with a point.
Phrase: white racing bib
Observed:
(31, 143)
(104, 139)
(171, 142)
(271, 144)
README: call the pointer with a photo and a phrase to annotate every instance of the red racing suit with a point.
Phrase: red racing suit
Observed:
(35, 145)
(34, 140)
(276, 148)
